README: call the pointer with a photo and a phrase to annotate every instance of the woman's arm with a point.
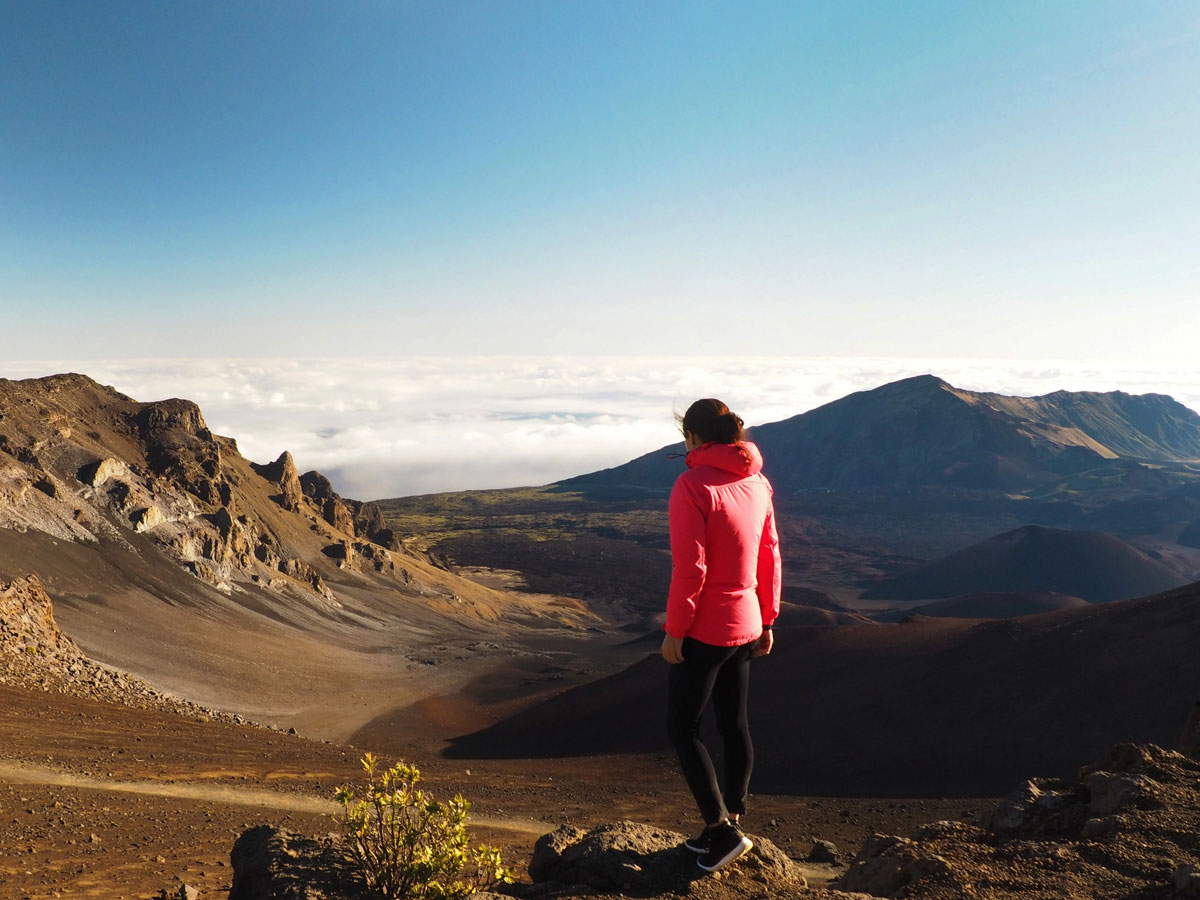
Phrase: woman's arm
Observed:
(770, 570)
(687, 516)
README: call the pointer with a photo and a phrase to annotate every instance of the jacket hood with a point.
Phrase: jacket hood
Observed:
(742, 458)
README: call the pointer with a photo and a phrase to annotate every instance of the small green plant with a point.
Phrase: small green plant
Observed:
(409, 846)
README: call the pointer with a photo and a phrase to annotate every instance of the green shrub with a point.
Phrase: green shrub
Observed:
(409, 846)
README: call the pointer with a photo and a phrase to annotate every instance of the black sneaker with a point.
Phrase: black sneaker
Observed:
(727, 844)
(702, 842)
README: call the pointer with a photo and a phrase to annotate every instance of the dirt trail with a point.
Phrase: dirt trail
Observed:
(22, 773)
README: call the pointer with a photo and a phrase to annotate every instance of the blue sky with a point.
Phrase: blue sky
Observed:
(999, 180)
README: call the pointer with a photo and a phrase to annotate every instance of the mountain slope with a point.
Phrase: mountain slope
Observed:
(923, 431)
(1089, 564)
(1142, 426)
(988, 605)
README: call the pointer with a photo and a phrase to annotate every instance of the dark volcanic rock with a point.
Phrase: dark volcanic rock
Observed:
(270, 864)
(179, 445)
(387, 538)
(642, 860)
(316, 486)
(823, 852)
(355, 517)
(337, 514)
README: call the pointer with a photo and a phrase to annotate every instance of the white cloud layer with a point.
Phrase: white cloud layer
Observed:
(393, 427)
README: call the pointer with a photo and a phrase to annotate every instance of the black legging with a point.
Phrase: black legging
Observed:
(722, 673)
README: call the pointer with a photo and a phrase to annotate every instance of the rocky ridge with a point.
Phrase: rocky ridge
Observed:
(84, 463)
(924, 431)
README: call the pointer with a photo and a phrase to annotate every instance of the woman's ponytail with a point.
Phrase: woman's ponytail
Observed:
(710, 420)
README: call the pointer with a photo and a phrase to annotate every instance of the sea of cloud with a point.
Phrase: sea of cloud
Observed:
(395, 427)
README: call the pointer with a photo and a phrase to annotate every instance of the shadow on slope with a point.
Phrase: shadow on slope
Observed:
(934, 707)
(987, 605)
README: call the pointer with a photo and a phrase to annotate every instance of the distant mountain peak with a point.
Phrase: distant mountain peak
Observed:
(926, 380)
(923, 430)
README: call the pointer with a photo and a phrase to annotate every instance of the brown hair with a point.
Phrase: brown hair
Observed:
(711, 420)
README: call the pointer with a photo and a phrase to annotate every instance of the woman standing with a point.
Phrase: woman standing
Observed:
(723, 601)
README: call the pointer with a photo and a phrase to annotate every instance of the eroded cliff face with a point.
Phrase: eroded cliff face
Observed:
(84, 463)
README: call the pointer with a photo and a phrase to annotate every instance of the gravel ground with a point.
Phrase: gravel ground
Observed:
(108, 801)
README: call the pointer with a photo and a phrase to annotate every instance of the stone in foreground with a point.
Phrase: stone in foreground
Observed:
(632, 858)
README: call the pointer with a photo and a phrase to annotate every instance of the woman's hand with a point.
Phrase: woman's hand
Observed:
(672, 649)
(765, 642)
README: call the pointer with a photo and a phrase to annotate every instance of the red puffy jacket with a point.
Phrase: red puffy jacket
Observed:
(725, 577)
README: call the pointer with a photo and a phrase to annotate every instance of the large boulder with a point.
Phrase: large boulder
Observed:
(271, 864)
(630, 857)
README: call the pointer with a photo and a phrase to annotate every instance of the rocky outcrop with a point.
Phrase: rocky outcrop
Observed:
(337, 514)
(630, 857)
(83, 463)
(354, 517)
(317, 487)
(145, 519)
(368, 519)
(98, 472)
(889, 866)
(179, 446)
(1127, 825)
(302, 571)
(27, 621)
(283, 472)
